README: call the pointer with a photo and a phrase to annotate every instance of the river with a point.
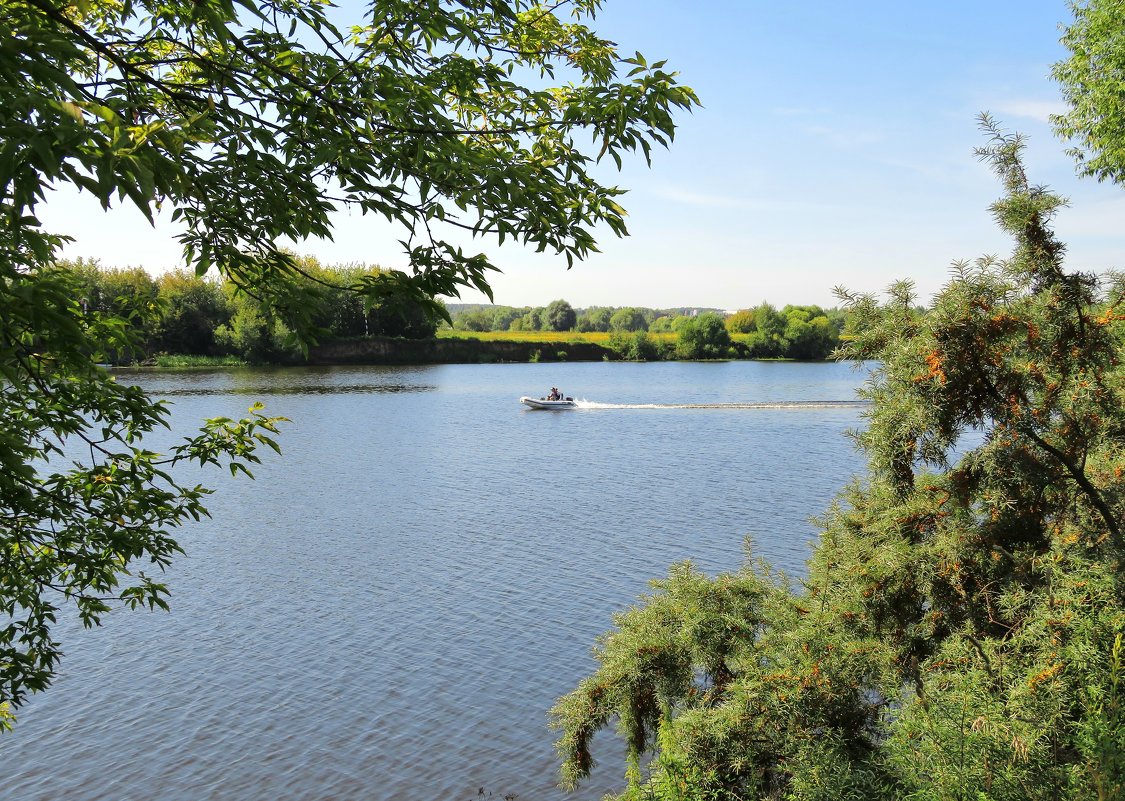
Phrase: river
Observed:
(394, 604)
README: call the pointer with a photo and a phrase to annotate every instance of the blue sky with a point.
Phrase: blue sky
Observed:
(834, 147)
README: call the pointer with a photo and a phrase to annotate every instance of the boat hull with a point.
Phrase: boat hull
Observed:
(548, 405)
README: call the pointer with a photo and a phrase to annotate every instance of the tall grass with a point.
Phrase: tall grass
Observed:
(179, 361)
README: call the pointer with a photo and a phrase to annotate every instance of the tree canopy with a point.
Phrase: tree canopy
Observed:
(560, 316)
(628, 318)
(179, 313)
(1093, 84)
(703, 337)
(249, 124)
(254, 121)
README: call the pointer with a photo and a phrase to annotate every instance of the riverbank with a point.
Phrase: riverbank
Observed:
(463, 348)
(457, 350)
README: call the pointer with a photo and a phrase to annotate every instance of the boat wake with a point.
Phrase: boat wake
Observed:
(850, 404)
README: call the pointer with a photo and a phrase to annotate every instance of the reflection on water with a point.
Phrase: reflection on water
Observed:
(274, 381)
(389, 611)
(297, 389)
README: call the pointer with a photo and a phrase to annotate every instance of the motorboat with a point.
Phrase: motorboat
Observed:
(544, 403)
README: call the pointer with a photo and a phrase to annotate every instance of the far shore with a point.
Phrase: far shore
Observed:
(450, 347)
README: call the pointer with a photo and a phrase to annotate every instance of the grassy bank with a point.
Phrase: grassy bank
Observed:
(545, 337)
(174, 362)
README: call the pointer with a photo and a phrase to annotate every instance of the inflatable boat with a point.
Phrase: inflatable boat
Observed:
(543, 403)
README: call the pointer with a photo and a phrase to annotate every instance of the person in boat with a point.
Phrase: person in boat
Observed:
(553, 394)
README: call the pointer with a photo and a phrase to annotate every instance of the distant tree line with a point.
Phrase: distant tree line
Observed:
(763, 332)
(181, 313)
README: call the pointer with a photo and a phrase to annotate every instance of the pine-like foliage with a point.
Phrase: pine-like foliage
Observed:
(959, 631)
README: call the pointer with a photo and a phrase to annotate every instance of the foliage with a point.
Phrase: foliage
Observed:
(703, 337)
(191, 309)
(958, 634)
(180, 313)
(235, 116)
(497, 318)
(558, 337)
(533, 320)
(809, 334)
(339, 309)
(171, 362)
(1092, 80)
(741, 322)
(628, 318)
(130, 295)
(560, 316)
(473, 321)
(254, 331)
(596, 318)
(505, 317)
(795, 332)
(639, 346)
(763, 330)
(249, 124)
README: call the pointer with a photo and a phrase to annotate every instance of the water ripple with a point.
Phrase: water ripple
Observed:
(392, 608)
(782, 404)
(295, 389)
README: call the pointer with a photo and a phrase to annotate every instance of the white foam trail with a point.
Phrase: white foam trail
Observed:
(856, 404)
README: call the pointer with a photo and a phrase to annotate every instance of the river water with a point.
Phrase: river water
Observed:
(390, 610)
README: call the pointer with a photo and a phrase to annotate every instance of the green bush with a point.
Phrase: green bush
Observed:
(704, 337)
(637, 346)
